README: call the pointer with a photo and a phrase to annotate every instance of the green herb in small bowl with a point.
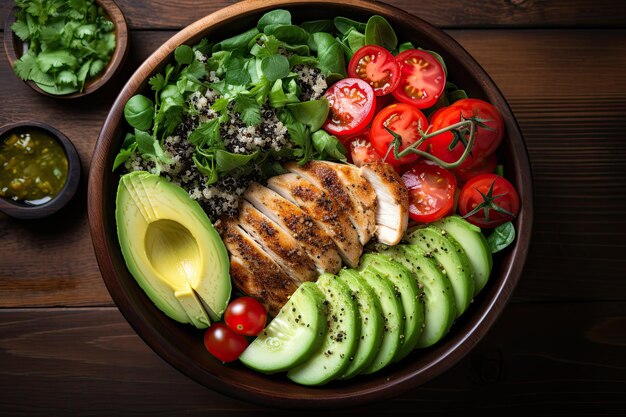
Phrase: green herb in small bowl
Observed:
(65, 48)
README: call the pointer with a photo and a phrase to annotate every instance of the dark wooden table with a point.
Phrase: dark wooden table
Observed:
(558, 349)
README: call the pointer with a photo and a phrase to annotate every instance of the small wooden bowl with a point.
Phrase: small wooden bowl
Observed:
(181, 345)
(13, 47)
(23, 211)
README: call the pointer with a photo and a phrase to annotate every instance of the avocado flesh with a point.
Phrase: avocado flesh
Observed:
(171, 249)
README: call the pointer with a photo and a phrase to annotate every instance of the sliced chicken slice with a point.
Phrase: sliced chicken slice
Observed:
(327, 177)
(314, 240)
(284, 249)
(253, 271)
(324, 209)
(392, 198)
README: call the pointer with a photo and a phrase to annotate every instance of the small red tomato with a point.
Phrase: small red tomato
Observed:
(352, 103)
(245, 315)
(431, 191)
(375, 65)
(361, 151)
(422, 78)
(224, 343)
(480, 166)
(488, 200)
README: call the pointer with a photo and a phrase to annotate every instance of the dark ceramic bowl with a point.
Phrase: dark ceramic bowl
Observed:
(182, 346)
(22, 210)
(14, 48)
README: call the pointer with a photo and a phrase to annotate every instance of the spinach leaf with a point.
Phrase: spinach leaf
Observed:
(330, 54)
(439, 58)
(275, 67)
(355, 40)
(183, 55)
(313, 26)
(278, 97)
(343, 25)
(275, 17)
(236, 42)
(378, 31)
(227, 161)
(328, 145)
(405, 47)
(139, 112)
(312, 113)
(501, 237)
(291, 34)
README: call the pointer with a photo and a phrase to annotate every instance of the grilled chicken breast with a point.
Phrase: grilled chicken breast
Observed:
(324, 209)
(253, 271)
(314, 241)
(284, 249)
(392, 198)
(328, 177)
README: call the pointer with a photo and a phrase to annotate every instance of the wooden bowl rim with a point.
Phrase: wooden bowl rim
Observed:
(113, 66)
(21, 211)
(285, 394)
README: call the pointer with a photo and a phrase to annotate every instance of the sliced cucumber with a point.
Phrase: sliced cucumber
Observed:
(405, 284)
(393, 323)
(332, 357)
(452, 257)
(438, 297)
(371, 322)
(475, 245)
(292, 336)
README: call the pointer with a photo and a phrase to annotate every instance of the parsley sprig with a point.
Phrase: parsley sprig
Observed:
(65, 43)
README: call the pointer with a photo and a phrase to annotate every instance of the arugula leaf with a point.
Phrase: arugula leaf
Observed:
(501, 237)
(275, 67)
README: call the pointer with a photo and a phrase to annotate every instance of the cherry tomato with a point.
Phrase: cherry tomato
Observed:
(422, 78)
(352, 103)
(245, 315)
(431, 191)
(486, 140)
(481, 166)
(362, 152)
(376, 66)
(488, 200)
(224, 343)
(403, 119)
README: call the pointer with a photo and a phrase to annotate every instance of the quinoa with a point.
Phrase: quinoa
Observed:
(311, 81)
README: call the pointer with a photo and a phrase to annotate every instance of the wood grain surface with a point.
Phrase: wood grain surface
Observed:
(558, 349)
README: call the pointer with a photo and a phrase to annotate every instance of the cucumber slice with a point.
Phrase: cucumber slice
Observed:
(438, 297)
(475, 245)
(292, 336)
(405, 284)
(452, 257)
(393, 324)
(371, 322)
(332, 358)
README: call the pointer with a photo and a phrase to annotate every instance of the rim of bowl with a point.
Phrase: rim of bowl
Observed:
(118, 56)
(23, 211)
(263, 389)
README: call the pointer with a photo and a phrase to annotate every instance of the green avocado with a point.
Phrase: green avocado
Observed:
(172, 249)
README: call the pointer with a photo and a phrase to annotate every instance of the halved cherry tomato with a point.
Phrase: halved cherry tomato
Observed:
(352, 103)
(488, 200)
(224, 343)
(422, 78)
(375, 65)
(362, 152)
(481, 166)
(431, 191)
(403, 119)
(487, 137)
(245, 315)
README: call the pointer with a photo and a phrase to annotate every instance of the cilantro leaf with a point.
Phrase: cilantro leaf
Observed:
(248, 108)
(21, 30)
(207, 133)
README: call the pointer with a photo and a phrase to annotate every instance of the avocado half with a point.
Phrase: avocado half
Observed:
(171, 249)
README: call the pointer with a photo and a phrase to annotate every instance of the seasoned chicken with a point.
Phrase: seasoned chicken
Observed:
(324, 209)
(328, 177)
(314, 240)
(253, 271)
(279, 244)
(392, 211)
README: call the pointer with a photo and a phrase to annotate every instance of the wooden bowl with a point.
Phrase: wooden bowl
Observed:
(182, 346)
(21, 210)
(13, 47)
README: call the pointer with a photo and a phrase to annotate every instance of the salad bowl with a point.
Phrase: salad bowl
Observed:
(181, 345)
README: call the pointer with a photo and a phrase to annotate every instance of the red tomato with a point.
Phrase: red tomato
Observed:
(422, 78)
(362, 152)
(486, 141)
(245, 315)
(404, 120)
(224, 343)
(488, 200)
(377, 66)
(481, 166)
(431, 191)
(352, 103)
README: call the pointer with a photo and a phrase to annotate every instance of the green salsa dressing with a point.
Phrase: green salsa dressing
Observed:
(33, 167)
